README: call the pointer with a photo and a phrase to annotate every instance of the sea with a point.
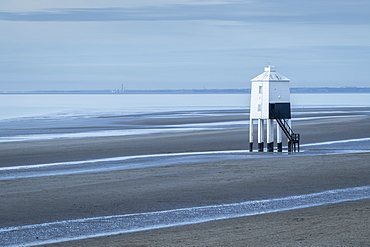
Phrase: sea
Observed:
(67, 105)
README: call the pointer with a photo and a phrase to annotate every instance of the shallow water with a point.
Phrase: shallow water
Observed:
(70, 127)
(48, 117)
(45, 128)
(59, 231)
(157, 160)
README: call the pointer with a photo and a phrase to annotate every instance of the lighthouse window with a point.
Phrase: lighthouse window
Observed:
(259, 107)
(260, 89)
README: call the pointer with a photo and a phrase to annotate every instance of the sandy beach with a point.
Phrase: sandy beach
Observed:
(46, 199)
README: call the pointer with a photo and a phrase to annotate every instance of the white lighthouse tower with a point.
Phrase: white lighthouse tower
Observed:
(270, 100)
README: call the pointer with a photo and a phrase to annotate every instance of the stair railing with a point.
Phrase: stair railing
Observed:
(293, 138)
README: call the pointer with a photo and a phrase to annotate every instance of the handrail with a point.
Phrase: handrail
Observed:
(277, 115)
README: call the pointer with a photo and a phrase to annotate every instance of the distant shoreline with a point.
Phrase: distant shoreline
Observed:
(297, 90)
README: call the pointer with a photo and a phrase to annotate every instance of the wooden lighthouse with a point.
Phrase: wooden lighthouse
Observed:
(270, 100)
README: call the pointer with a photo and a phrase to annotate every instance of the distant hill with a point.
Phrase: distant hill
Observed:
(296, 90)
(330, 90)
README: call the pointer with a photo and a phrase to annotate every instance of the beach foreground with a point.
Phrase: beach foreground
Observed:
(344, 224)
(38, 200)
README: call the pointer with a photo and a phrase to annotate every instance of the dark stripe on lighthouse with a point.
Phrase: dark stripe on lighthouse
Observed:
(281, 110)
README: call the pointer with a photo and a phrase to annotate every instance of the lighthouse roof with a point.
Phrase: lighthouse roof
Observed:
(270, 74)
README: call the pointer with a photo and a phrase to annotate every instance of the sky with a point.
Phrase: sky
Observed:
(181, 44)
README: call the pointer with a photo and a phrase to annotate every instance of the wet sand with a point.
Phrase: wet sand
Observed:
(344, 224)
(54, 198)
(39, 152)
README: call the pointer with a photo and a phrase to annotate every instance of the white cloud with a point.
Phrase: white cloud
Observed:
(41, 5)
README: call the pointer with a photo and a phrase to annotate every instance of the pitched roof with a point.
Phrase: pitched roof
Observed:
(270, 74)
